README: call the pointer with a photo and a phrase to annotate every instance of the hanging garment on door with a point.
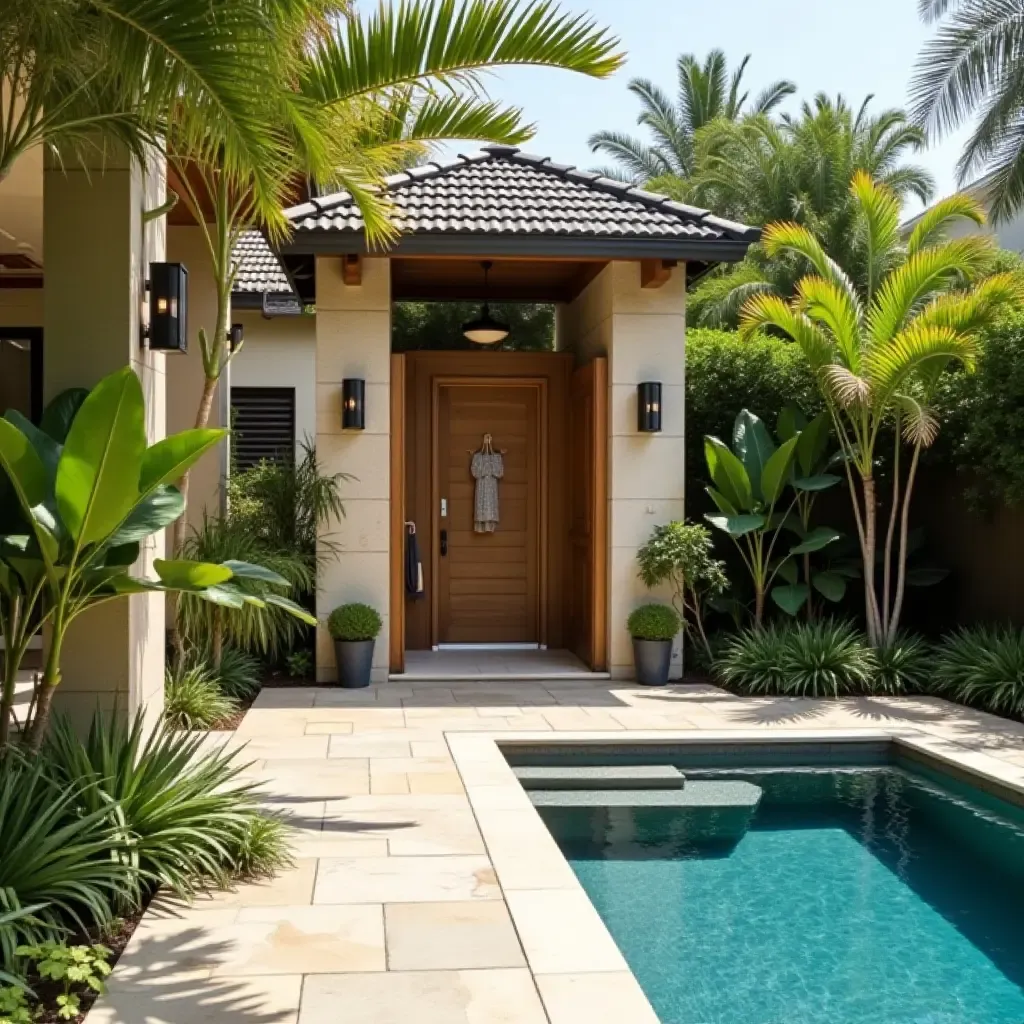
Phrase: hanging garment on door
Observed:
(413, 565)
(487, 468)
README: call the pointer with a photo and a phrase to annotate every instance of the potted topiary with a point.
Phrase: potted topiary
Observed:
(652, 627)
(354, 628)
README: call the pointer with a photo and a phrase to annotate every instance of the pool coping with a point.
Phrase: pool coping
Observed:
(578, 968)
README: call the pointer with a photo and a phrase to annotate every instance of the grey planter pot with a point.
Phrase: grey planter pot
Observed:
(652, 659)
(354, 659)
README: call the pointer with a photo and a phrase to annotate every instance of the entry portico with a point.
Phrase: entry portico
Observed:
(583, 488)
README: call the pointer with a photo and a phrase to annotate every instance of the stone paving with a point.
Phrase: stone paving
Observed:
(425, 889)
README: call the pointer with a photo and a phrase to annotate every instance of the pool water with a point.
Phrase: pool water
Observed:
(865, 896)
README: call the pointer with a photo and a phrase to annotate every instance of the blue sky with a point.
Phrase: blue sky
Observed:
(822, 45)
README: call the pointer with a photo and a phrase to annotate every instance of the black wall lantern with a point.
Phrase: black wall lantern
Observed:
(648, 407)
(168, 307)
(236, 335)
(353, 403)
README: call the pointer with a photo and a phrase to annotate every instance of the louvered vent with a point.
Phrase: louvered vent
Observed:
(263, 425)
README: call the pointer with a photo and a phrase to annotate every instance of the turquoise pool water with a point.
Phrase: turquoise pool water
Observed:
(868, 896)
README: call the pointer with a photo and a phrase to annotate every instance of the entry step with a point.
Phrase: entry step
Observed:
(614, 777)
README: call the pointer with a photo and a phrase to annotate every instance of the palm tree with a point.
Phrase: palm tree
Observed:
(800, 169)
(974, 65)
(878, 350)
(706, 93)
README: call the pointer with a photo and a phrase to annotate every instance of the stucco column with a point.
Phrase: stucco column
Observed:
(185, 375)
(642, 331)
(96, 253)
(353, 339)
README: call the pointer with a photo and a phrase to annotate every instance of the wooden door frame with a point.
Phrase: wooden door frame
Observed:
(540, 384)
(396, 594)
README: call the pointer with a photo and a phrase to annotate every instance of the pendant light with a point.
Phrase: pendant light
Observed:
(485, 330)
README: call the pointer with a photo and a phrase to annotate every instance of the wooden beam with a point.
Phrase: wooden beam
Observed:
(654, 273)
(352, 268)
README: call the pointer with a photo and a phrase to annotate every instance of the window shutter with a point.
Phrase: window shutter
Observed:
(263, 425)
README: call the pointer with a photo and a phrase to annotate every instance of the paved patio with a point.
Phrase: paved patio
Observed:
(425, 887)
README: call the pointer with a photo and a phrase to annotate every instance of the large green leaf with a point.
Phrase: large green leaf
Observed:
(820, 482)
(812, 444)
(816, 539)
(791, 598)
(754, 446)
(60, 413)
(831, 585)
(45, 446)
(791, 421)
(27, 475)
(290, 606)
(776, 470)
(228, 597)
(155, 511)
(737, 526)
(925, 576)
(728, 474)
(187, 575)
(721, 502)
(98, 474)
(248, 571)
(167, 460)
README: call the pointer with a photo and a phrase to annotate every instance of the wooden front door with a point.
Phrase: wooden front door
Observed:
(488, 584)
(588, 514)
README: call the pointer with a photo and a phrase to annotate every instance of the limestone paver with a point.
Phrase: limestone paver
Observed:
(440, 936)
(426, 887)
(423, 997)
(404, 879)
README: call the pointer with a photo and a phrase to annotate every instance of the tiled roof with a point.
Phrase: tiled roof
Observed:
(259, 268)
(504, 192)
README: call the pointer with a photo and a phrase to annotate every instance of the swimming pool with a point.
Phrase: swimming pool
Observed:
(872, 893)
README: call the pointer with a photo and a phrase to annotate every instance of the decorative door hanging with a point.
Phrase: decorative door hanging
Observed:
(487, 467)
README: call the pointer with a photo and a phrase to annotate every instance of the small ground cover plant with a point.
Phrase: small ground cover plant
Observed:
(71, 968)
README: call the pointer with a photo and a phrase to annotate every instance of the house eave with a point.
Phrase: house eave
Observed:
(330, 242)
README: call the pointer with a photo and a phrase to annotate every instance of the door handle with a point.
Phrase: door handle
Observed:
(444, 542)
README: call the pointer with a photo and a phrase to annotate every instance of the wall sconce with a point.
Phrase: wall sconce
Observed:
(236, 335)
(168, 307)
(648, 407)
(353, 404)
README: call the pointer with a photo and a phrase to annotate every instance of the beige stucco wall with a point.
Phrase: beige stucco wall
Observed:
(353, 339)
(185, 375)
(97, 251)
(280, 353)
(21, 307)
(643, 334)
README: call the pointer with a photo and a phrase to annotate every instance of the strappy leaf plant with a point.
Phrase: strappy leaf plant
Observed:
(879, 350)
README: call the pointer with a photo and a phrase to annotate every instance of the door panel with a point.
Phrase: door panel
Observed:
(488, 583)
(588, 514)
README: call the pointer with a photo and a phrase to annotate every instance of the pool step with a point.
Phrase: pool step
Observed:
(617, 777)
(704, 814)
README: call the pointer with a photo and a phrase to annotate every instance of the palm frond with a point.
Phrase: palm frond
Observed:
(920, 424)
(763, 311)
(772, 95)
(844, 387)
(794, 238)
(839, 310)
(920, 348)
(639, 161)
(438, 41)
(933, 223)
(970, 311)
(879, 215)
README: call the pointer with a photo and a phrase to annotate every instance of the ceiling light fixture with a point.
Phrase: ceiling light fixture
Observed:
(485, 330)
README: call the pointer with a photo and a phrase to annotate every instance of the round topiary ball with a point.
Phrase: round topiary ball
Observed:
(653, 622)
(354, 622)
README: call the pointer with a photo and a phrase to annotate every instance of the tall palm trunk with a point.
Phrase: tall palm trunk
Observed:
(901, 567)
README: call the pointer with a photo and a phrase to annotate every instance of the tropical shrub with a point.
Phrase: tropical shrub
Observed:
(56, 868)
(829, 658)
(680, 554)
(85, 506)
(260, 849)
(982, 666)
(240, 675)
(261, 622)
(193, 698)
(354, 622)
(903, 664)
(299, 664)
(748, 481)
(187, 817)
(653, 622)
(878, 343)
